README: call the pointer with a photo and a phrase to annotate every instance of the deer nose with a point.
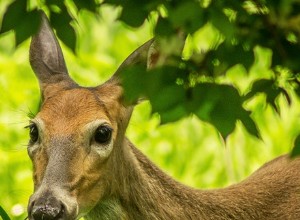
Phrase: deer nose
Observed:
(47, 209)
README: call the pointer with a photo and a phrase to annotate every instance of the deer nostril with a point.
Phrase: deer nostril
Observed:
(48, 212)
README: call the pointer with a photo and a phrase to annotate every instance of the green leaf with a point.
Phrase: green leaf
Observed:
(64, 30)
(158, 85)
(24, 23)
(225, 123)
(222, 23)
(297, 90)
(238, 55)
(113, 2)
(27, 26)
(296, 150)
(167, 97)
(260, 86)
(133, 82)
(249, 124)
(133, 13)
(90, 5)
(292, 51)
(220, 105)
(164, 27)
(268, 87)
(58, 3)
(3, 214)
(188, 15)
(14, 15)
(68, 36)
(173, 114)
(203, 100)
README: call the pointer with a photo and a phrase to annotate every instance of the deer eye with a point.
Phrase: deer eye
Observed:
(103, 134)
(33, 133)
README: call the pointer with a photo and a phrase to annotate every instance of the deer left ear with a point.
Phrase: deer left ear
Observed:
(46, 59)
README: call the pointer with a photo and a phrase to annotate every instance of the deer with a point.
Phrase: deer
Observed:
(84, 166)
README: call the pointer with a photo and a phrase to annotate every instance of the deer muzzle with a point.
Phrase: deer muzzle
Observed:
(48, 205)
(47, 208)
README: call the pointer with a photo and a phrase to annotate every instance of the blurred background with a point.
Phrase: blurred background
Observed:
(189, 150)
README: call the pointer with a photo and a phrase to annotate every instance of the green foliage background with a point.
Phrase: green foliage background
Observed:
(189, 150)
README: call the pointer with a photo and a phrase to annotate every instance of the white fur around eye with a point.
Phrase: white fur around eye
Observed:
(103, 150)
(32, 148)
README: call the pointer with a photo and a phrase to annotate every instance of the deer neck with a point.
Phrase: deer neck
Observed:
(140, 190)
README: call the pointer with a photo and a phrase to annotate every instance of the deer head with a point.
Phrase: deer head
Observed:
(76, 133)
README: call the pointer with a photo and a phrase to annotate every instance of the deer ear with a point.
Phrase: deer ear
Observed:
(146, 55)
(46, 58)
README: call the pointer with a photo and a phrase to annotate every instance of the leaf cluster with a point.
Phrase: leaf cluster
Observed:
(193, 84)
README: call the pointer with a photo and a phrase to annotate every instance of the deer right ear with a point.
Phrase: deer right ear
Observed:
(146, 55)
(47, 61)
